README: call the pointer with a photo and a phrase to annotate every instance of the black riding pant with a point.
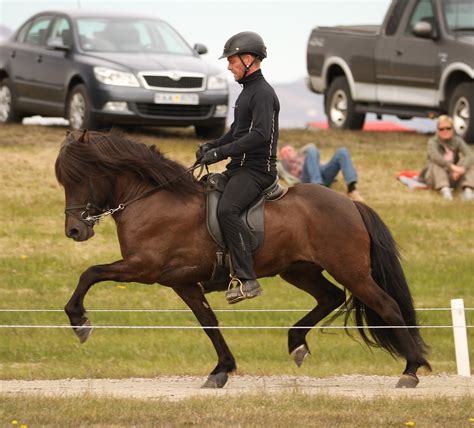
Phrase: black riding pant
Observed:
(243, 187)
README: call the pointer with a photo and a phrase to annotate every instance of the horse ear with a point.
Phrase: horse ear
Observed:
(84, 138)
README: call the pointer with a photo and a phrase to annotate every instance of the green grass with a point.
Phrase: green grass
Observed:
(39, 268)
(276, 410)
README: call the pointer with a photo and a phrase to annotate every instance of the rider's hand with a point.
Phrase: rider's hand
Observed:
(212, 156)
(202, 149)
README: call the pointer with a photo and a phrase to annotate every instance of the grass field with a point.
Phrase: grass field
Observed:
(39, 268)
(282, 410)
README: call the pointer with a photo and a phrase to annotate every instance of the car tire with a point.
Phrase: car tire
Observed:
(461, 109)
(340, 107)
(78, 109)
(210, 132)
(8, 110)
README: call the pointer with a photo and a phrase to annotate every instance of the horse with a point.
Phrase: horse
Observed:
(160, 215)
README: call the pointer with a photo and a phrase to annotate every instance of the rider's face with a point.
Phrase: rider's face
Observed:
(236, 67)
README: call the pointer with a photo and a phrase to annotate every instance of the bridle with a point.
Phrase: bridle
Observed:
(91, 220)
(85, 215)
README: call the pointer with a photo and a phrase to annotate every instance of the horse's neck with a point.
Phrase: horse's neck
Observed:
(147, 217)
(129, 187)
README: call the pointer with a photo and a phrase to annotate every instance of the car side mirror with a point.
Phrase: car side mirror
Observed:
(56, 43)
(200, 48)
(424, 30)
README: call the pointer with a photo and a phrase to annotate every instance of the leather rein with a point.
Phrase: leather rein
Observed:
(91, 220)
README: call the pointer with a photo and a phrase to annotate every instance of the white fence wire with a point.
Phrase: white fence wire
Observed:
(457, 310)
(187, 327)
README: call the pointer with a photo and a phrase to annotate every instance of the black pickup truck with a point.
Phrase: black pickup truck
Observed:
(420, 62)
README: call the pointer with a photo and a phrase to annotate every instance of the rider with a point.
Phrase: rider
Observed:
(251, 143)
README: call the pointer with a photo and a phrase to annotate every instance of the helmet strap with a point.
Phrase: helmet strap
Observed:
(247, 67)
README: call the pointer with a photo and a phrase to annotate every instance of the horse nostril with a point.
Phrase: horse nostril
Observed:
(73, 233)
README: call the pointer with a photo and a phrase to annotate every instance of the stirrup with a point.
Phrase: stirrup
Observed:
(236, 293)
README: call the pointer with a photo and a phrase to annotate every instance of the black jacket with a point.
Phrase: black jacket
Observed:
(253, 137)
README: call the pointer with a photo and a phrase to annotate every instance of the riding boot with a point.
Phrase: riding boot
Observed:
(245, 289)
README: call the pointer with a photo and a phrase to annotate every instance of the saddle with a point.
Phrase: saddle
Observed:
(253, 219)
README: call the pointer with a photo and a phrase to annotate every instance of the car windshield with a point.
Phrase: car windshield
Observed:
(127, 35)
(459, 15)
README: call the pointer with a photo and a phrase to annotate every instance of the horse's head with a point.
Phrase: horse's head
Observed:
(97, 169)
(86, 194)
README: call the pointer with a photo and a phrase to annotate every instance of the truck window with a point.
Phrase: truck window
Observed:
(459, 15)
(395, 16)
(423, 12)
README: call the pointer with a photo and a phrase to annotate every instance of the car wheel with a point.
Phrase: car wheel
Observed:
(340, 107)
(461, 109)
(78, 109)
(8, 111)
(210, 132)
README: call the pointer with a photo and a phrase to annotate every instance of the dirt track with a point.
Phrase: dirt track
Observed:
(181, 387)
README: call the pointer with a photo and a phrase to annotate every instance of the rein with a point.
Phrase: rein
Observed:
(91, 220)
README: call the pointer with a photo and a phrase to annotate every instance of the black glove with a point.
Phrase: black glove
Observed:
(212, 156)
(202, 149)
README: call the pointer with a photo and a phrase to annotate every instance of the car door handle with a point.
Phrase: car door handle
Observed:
(13, 54)
(39, 58)
(399, 52)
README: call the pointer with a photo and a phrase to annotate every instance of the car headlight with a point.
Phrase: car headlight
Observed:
(217, 82)
(109, 76)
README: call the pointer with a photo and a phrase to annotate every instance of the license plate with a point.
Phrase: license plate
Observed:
(171, 98)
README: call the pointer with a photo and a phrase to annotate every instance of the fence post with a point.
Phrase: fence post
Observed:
(460, 337)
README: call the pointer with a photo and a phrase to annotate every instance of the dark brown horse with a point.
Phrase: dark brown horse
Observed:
(159, 211)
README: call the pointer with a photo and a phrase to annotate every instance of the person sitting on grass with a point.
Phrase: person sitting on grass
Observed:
(450, 162)
(305, 166)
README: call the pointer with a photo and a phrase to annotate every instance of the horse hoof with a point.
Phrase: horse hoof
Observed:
(407, 381)
(299, 354)
(216, 381)
(84, 332)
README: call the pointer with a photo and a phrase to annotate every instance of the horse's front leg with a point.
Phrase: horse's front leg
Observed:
(120, 271)
(194, 298)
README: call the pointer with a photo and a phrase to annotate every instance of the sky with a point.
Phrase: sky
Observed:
(284, 25)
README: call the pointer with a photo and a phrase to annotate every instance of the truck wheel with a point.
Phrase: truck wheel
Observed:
(461, 109)
(340, 106)
(210, 132)
(78, 109)
(8, 111)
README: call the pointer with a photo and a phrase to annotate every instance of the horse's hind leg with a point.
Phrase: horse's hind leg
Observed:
(398, 339)
(194, 298)
(308, 277)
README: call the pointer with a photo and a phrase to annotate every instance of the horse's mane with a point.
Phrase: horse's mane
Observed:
(95, 154)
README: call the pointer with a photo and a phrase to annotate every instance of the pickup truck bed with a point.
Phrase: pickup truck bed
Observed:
(352, 29)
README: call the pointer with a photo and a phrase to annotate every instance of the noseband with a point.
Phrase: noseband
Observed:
(85, 216)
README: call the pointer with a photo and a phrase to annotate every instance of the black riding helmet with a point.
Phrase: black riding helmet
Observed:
(246, 42)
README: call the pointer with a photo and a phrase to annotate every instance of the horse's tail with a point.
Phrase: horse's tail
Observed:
(387, 272)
